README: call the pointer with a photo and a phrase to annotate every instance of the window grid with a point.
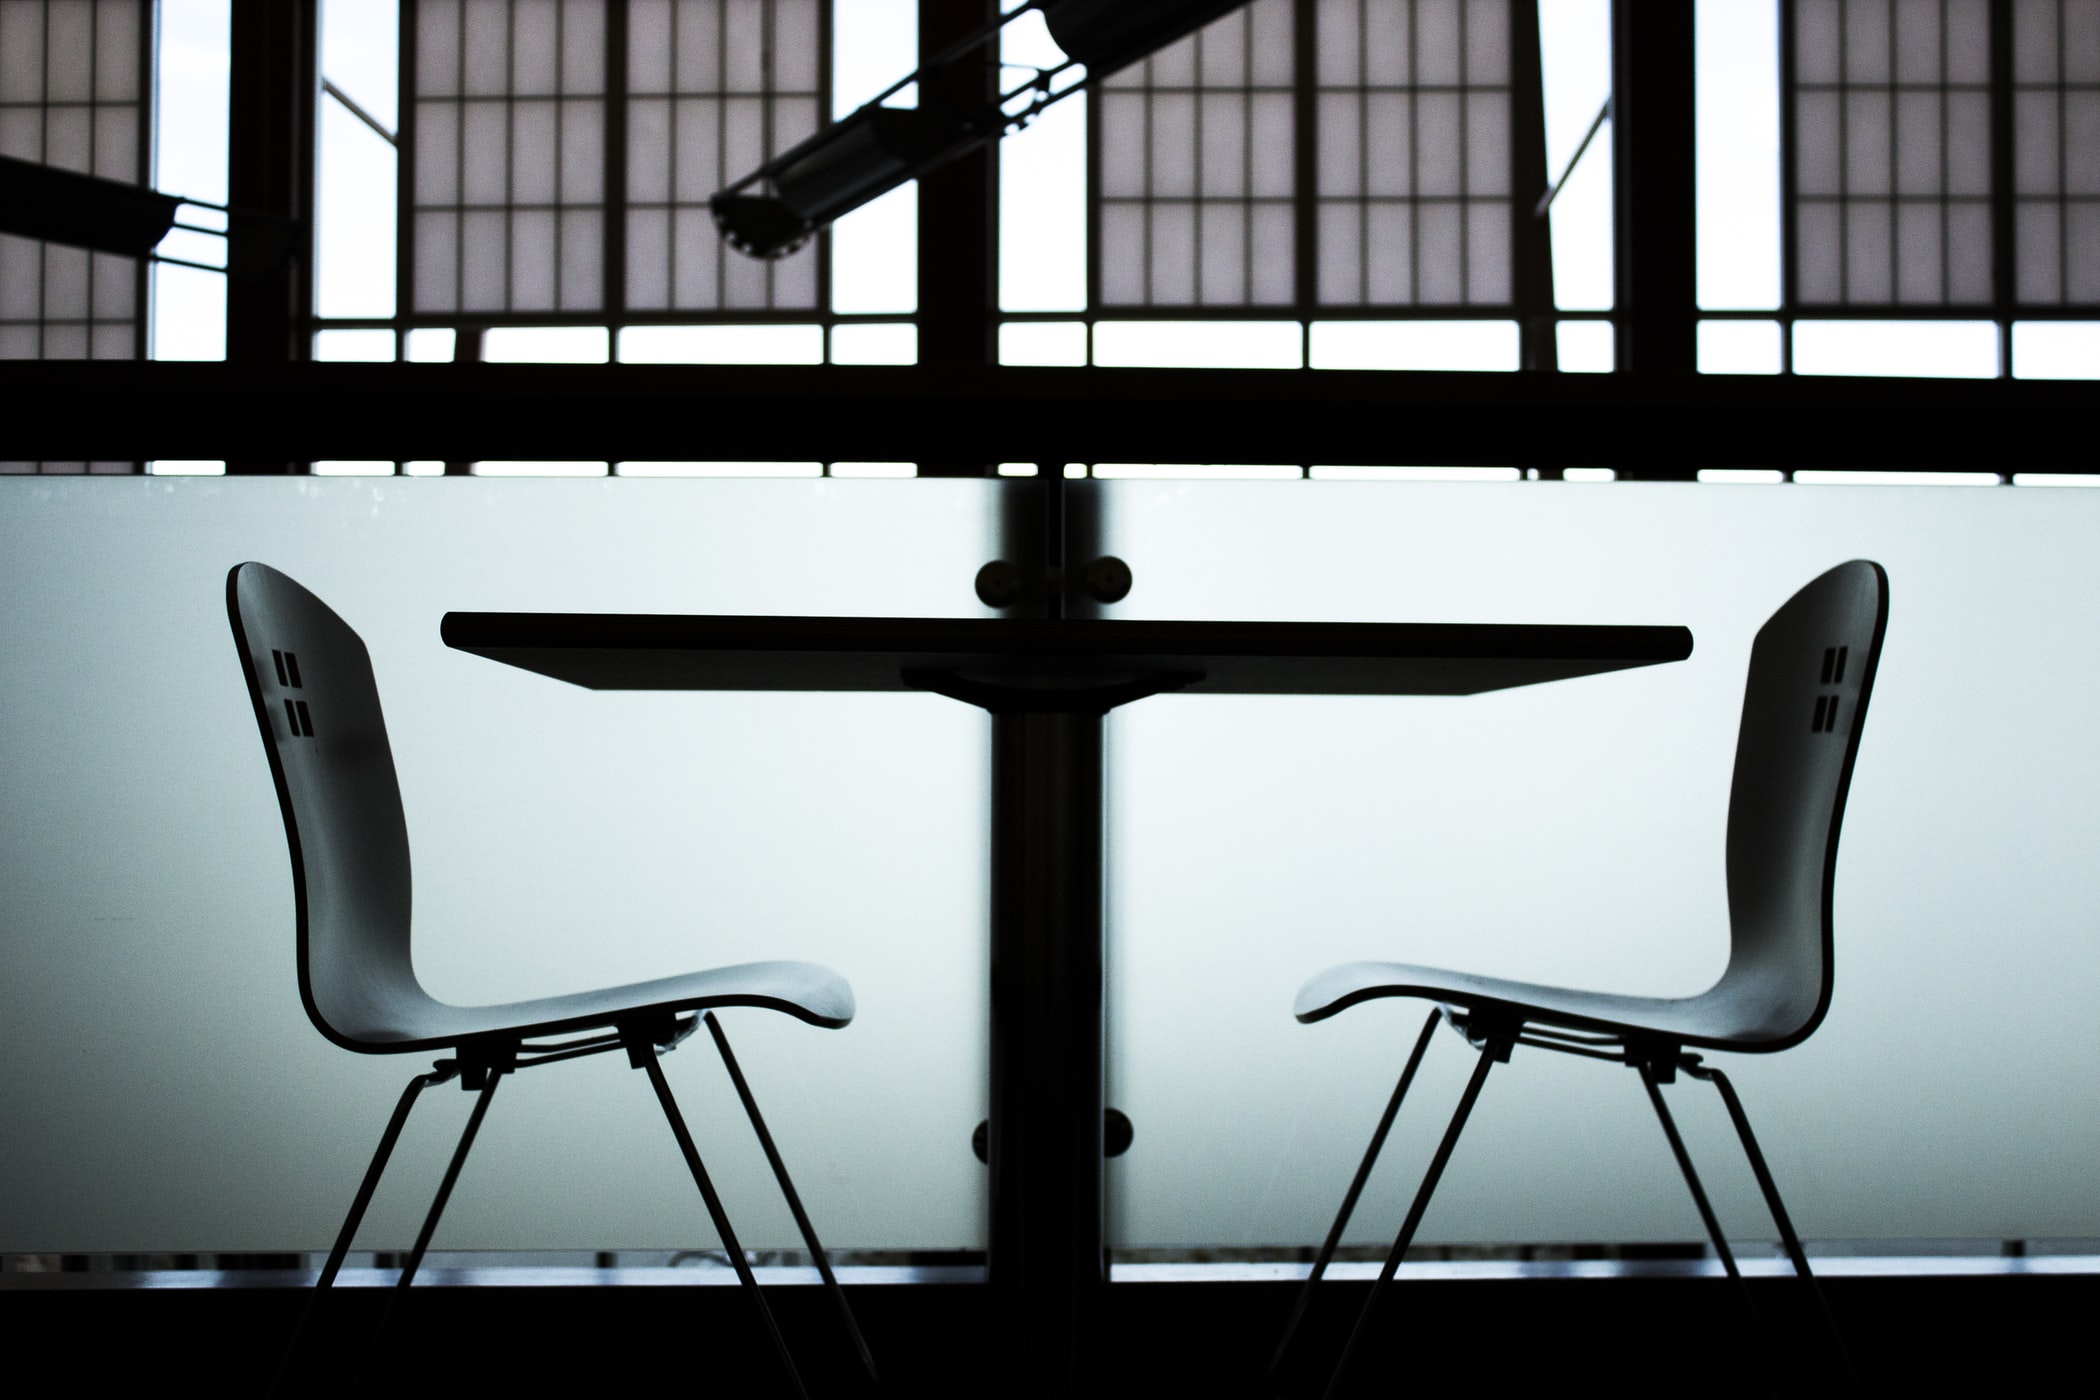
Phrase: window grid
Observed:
(1891, 177)
(1434, 228)
(1941, 155)
(566, 180)
(2056, 165)
(1310, 212)
(74, 93)
(762, 93)
(492, 228)
(1194, 163)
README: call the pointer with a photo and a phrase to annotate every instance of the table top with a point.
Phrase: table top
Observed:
(626, 651)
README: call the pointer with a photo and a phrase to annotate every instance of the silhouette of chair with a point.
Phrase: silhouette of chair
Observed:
(317, 705)
(1811, 670)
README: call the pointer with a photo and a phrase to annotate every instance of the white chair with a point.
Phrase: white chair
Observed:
(1811, 672)
(317, 705)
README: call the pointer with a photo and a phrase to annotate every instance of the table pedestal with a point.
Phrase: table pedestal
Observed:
(1048, 1265)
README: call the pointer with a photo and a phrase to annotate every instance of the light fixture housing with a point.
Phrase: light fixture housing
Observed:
(59, 206)
(778, 207)
(1107, 35)
(839, 169)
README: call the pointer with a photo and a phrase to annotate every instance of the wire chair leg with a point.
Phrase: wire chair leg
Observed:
(1691, 1177)
(794, 1200)
(1356, 1190)
(1765, 1184)
(647, 1056)
(1651, 1080)
(1496, 1048)
(430, 1218)
(358, 1206)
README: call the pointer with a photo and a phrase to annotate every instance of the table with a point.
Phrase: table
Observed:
(1048, 684)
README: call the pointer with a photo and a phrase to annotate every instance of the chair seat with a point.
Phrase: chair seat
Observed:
(1735, 1017)
(807, 991)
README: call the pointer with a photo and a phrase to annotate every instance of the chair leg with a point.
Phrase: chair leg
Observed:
(794, 1200)
(1792, 1241)
(1496, 1048)
(1651, 1080)
(430, 1218)
(358, 1206)
(1691, 1177)
(648, 1059)
(1356, 1190)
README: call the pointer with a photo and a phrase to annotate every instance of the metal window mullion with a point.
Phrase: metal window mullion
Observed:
(1246, 156)
(1363, 151)
(1095, 209)
(459, 131)
(141, 288)
(1895, 200)
(1414, 156)
(1196, 169)
(43, 147)
(406, 152)
(671, 99)
(94, 132)
(2004, 273)
(612, 221)
(1305, 157)
(1946, 190)
(1844, 124)
(721, 137)
(1789, 182)
(561, 93)
(2063, 168)
(510, 153)
(1150, 205)
(766, 88)
(826, 18)
(1465, 170)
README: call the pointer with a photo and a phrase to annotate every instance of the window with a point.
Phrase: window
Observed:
(2056, 152)
(1891, 153)
(1324, 155)
(561, 154)
(73, 94)
(1942, 156)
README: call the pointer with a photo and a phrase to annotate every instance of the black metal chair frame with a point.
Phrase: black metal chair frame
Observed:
(360, 990)
(1786, 932)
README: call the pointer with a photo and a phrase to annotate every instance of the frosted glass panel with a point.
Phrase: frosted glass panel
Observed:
(172, 1095)
(1573, 833)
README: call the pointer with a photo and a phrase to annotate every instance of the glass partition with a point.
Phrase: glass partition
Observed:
(169, 1093)
(1573, 833)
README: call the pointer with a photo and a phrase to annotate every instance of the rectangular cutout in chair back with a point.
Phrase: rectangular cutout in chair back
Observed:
(297, 719)
(288, 669)
(1826, 716)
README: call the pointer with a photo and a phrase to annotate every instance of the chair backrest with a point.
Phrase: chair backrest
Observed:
(318, 708)
(1811, 672)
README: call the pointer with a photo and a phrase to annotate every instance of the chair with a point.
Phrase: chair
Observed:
(317, 705)
(1811, 671)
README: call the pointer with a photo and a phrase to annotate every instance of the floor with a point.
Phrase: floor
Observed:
(1919, 1324)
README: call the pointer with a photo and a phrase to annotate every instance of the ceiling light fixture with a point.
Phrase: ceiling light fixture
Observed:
(59, 206)
(779, 207)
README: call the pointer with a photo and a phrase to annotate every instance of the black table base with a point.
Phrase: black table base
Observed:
(1047, 1264)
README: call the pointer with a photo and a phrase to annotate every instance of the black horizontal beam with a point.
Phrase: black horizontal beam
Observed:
(1661, 425)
